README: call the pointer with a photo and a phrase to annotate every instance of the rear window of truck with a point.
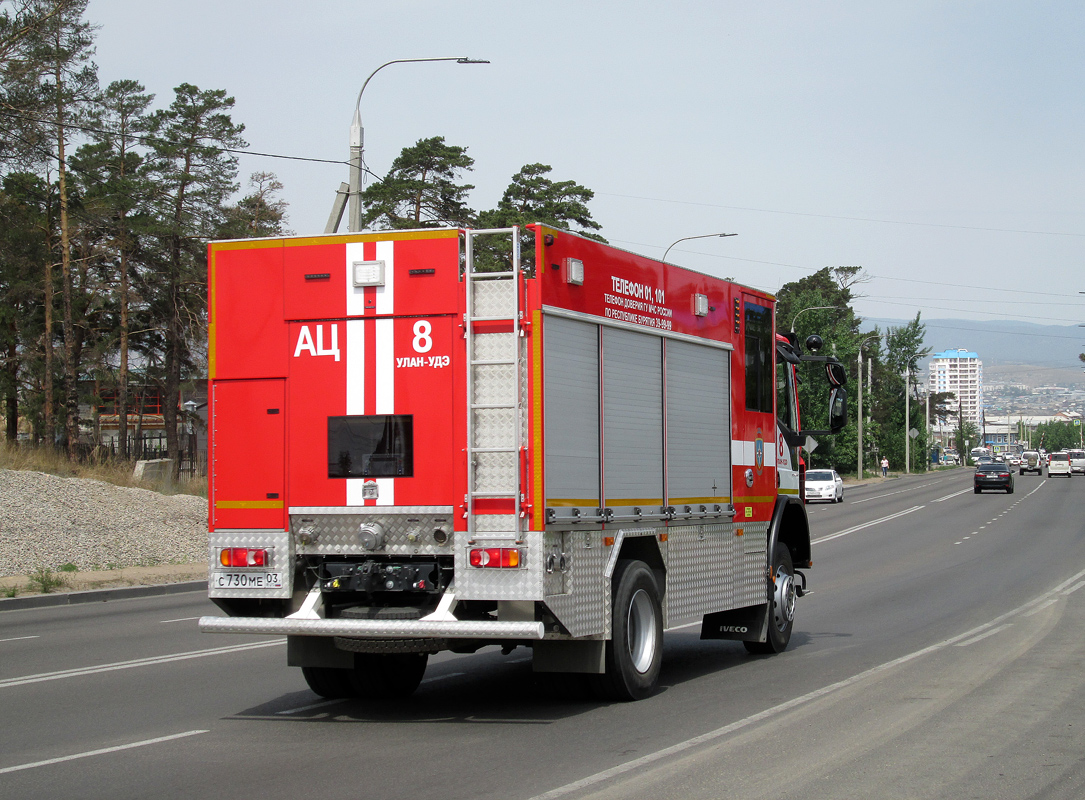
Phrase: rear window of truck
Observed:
(373, 446)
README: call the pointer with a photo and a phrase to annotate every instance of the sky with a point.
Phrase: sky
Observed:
(936, 144)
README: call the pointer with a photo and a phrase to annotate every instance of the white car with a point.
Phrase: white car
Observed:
(1058, 464)
(824, 484)
(1077, 461)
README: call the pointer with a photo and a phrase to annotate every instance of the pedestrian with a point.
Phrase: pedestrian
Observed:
(885, 467)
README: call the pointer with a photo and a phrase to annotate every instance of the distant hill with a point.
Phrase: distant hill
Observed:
(1001, 342)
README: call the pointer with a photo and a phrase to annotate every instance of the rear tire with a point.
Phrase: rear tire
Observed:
(976, 490)
(330, 682)
(375, 675)
(781, 605)
(634, 652)
(380, 675)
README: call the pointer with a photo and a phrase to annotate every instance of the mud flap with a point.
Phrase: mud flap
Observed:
(749, 624)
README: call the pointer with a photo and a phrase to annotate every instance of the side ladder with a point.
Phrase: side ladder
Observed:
(495, 374)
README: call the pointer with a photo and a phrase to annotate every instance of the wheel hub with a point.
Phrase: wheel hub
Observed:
(783, 598)
(641, 631)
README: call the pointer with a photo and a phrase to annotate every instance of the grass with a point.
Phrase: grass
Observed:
(45, 580)
(11, 591)
(106, 469)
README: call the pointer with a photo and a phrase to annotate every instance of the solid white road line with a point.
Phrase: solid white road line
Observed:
(890, 494)
(182, 619)
(775, 711)
(866, 525)
(19, 638)
(993, 631)
(948, 496)
(103, 751)
(139, 662)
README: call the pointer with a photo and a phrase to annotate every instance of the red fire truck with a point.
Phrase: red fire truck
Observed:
(421, 441)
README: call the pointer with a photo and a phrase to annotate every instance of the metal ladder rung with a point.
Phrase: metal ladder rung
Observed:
(494, 361)
(494, 405)
(495, 319)
(495, 449)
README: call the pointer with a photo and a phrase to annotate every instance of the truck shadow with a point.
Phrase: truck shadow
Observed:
(490, 689)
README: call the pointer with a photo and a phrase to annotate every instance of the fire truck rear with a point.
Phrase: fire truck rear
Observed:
(420, 441)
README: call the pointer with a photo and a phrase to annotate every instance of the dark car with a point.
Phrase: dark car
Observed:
(993, 476)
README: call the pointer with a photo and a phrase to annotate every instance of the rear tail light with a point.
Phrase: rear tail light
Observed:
(494, 557)
(243, 557)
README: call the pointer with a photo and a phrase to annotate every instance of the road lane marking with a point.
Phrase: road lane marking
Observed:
(19, 638)
(443, 677)
(866, 525)
(993, 631)
(139, 662)
(103, 751)
(182, 619)
(775, 711)
(1075, 587)
(889, 494)
(948, 496)
(1040, 608)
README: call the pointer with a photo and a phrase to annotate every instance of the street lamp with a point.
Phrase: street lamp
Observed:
(354, 188)
(811, 308)
(859, 359)
(702, 236)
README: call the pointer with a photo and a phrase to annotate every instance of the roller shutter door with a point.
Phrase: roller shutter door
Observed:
(698, 424)
(633, 419)
(571, 364)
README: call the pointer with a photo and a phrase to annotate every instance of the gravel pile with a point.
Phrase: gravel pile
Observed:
(48, 521)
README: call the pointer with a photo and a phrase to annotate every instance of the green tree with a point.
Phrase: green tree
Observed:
(59, 64)
(116, 190)
(821, 304)
(904, 346)
(1056, 435)
(27, 230)
(259, 213)
(421, 190)
(195, 174)
(965, 437)
(534, 197)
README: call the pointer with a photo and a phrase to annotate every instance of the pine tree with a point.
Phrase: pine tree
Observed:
(421, 189)
(195, 174)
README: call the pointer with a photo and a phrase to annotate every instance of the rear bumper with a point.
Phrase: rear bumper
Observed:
(375, 628)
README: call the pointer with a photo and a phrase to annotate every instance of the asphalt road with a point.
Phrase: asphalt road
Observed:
(940, 655)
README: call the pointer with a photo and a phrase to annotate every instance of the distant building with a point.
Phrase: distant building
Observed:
(960, 373)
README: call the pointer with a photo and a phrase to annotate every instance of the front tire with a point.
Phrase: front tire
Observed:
(781, 605)
(330, 682)
(634, 652)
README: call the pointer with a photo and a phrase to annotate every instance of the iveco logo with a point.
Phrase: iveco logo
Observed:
(734, 629)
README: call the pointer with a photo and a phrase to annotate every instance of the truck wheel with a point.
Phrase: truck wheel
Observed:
(388, 674)
(634, 652)
(330, 682)
(781, 606)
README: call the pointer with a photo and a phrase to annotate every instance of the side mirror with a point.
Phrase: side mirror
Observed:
(834, 371)
(838, 408)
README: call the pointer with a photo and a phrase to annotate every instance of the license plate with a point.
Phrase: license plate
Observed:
(248, 580)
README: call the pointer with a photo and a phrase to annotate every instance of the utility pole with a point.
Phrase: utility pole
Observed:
(907, 422)
(859, 372)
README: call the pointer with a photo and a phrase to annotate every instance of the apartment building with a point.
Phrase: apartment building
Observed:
(959, 372)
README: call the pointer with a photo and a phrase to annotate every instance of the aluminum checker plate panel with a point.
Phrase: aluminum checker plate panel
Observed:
(279, 545)
(583, 607)
(700, 577)
(524, 583)
(335, 531)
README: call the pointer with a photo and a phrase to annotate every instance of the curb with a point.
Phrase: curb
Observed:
(99, 595)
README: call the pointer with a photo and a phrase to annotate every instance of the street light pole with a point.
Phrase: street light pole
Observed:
(702, 236)
(357, 134)
(859, 449)
(811, 308)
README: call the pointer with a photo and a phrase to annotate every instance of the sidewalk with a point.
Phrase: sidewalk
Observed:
(17, 591)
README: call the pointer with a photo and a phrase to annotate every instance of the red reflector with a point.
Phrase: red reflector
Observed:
(494, 557)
